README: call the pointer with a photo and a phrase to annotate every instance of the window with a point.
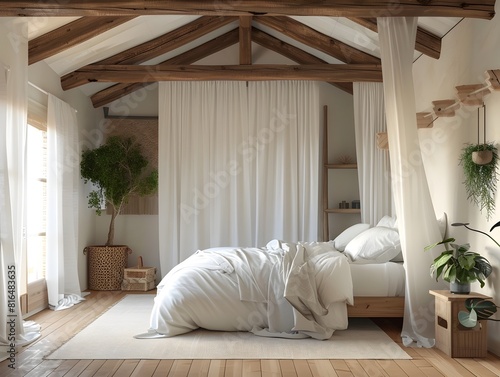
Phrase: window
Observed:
(36, 202)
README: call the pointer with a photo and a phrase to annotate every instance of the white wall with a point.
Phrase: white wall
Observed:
(467, 52)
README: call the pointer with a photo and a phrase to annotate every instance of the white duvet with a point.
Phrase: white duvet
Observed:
(282, 290)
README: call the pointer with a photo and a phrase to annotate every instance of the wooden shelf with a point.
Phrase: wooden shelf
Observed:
(341, 166)
(326, 170)
(343, 210)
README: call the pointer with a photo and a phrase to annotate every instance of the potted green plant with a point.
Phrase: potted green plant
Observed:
(459, 265)
(479, 162)
(118, 169)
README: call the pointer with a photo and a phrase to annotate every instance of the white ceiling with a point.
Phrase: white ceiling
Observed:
(144, 28)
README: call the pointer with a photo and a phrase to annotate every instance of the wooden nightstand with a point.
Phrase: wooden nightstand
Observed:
(451, 337)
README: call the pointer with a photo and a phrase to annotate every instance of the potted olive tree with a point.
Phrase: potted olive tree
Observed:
(117, 169)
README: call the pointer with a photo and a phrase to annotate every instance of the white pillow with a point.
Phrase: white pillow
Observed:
(379, 244)
(347, 235)
(389, 222)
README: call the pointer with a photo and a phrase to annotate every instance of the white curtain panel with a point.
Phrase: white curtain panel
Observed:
(373, 162)
(416, 218)
(231, 171)
(13, 129)
(62, 205)
(284, 117)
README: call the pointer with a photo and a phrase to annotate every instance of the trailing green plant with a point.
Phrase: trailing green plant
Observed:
(477, 309)
(119, 169)
(480, 180)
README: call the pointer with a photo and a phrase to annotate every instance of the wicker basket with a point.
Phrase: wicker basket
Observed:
(139, 278)
(105, 266)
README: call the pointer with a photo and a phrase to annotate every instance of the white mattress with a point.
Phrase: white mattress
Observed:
(381, 279)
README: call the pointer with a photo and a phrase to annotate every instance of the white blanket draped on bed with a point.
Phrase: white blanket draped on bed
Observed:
(282, 290)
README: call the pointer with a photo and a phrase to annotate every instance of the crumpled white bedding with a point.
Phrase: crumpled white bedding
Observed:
(291, 290)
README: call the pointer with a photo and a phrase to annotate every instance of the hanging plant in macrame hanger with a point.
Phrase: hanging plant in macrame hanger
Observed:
(479, 162)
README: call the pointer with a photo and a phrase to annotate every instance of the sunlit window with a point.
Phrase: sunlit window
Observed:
(36, 202)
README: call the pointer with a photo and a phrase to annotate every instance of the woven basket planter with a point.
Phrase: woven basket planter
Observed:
(105, 266)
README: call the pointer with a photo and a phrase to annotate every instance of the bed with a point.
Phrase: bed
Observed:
(292, 290)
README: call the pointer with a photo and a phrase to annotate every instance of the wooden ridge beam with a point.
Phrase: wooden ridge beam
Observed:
(70, 35)
(307, 35)
(426, 42)
(261, 72)
(293, 53)
(484, 9)
(117, 91)
(245, 40)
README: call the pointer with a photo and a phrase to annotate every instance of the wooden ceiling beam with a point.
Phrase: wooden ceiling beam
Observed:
(293, 53)
(169, 41)
(152, 73)
(245, 40)
(117, 91)
(484, 9)
(426, 42)
(310, 37)
(70, 35)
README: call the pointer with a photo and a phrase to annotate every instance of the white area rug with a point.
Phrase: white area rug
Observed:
(111, 337)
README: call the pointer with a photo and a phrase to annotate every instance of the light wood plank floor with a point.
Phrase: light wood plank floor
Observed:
(58, 327)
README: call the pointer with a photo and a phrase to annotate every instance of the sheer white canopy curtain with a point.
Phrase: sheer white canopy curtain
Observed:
(13, 130)
(238, 165)
(63, 174)
(417, 222)
(373, 163)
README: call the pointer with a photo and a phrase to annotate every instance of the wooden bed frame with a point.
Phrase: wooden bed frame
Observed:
(377, 307)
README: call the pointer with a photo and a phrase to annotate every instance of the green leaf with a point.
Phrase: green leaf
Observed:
(451, 274)
(443, 259)
(485, 309)
(484, 266)
(448, 240)
(467, 261)
(467, 319)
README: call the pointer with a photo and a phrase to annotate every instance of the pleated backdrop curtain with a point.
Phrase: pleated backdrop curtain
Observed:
(62, 205)
(417, 222)
(373, 162)
(13, 131)
(238, 165)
